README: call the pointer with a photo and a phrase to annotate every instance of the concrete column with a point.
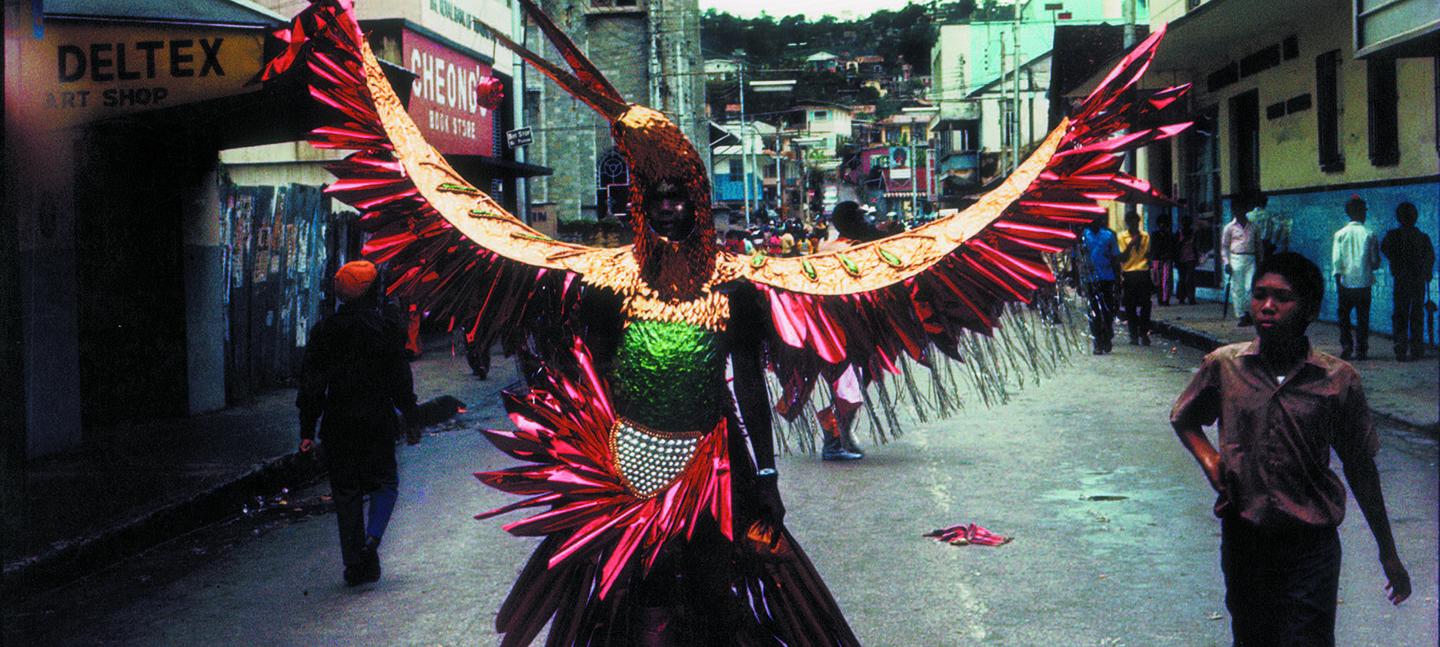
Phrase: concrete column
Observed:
(40, 172)
(12, 334)
(205, 285)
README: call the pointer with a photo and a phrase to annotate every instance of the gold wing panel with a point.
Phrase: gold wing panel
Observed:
(470, 210)
(893, 259)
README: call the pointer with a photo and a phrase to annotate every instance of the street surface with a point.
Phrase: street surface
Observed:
(1114, 543)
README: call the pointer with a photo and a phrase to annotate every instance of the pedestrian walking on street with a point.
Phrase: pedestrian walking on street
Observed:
(1186, 257)
(1412, 257)
(1164, 248)
(1273, 229)
(1102, 267)
(353, 377)
(1238, 247)
(1354, 257)
(1282, 407)
(1135, 279)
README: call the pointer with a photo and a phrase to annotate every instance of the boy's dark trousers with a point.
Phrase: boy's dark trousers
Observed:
(1280, 587)
(1356, 340)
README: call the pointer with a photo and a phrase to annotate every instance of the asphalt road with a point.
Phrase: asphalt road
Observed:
(1113, 544)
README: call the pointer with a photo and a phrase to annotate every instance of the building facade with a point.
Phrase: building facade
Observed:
(650, 52)
(1305, 112)
(115, 114)
(972, 68)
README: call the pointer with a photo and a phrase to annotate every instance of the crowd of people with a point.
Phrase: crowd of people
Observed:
(1125, 274)
(792, 237)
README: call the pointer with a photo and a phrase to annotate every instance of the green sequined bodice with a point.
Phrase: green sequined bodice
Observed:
(669, 376)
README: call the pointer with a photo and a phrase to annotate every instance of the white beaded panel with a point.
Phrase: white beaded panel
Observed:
(649, 462)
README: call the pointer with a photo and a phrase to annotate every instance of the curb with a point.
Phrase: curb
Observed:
(72, 559)
(1206, 343)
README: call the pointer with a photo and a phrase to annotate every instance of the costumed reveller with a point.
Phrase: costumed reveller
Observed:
(655, 491)
(354, 376)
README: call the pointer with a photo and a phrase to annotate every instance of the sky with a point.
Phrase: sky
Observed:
(812, 9)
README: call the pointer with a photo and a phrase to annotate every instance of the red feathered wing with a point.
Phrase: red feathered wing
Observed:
(877, 303)
(461, 257)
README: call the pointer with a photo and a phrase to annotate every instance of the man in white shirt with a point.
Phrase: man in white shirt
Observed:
(1238, 244)
(1354, 255)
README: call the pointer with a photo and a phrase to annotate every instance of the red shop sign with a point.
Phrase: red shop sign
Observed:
(442, 99)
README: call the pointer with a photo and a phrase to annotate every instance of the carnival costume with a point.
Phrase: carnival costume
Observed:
(634, 452)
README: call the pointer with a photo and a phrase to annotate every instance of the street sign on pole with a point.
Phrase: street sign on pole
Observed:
(518, 137)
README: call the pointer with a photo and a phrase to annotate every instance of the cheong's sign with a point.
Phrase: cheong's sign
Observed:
(442, 97)
(80, 73)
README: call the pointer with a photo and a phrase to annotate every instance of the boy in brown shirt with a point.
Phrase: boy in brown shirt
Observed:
(1282, 406)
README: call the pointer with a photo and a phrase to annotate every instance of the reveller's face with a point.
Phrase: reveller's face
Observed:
(1279, 312)
(670, 213)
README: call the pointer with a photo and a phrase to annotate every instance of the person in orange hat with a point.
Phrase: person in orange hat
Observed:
(353, 378)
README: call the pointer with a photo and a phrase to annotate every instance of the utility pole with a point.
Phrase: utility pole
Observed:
(1004, 127)
(914, 208)
(1015, 107)
(779, 180)
(744, 149)
(1128, 14)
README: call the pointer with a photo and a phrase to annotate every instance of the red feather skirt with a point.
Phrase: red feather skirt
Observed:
(690, 564)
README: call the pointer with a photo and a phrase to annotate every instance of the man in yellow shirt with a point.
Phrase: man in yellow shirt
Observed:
(1135, 279)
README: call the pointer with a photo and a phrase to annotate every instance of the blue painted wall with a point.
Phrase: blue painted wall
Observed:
(733, 190)
(1316, 215)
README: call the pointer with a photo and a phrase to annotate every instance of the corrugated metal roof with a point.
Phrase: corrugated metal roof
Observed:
(209, 12)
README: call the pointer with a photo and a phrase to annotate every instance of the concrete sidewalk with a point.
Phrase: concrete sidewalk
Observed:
(1403, 392)
(133, 486)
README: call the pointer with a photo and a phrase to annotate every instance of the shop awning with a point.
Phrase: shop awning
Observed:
(1189, 47)
(189, 12)
(496, 167)
(280, 111)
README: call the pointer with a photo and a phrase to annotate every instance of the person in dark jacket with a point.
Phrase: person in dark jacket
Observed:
(1412, 258)
(1164, 248)
(353, 378)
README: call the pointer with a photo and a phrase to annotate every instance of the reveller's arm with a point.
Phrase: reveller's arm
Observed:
(747, 323)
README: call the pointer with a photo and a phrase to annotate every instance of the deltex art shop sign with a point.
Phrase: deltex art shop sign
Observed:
(80, 73)
(442, 98)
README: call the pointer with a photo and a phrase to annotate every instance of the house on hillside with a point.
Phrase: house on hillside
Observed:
(721, 69)
(822, 62)
(896, 171)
